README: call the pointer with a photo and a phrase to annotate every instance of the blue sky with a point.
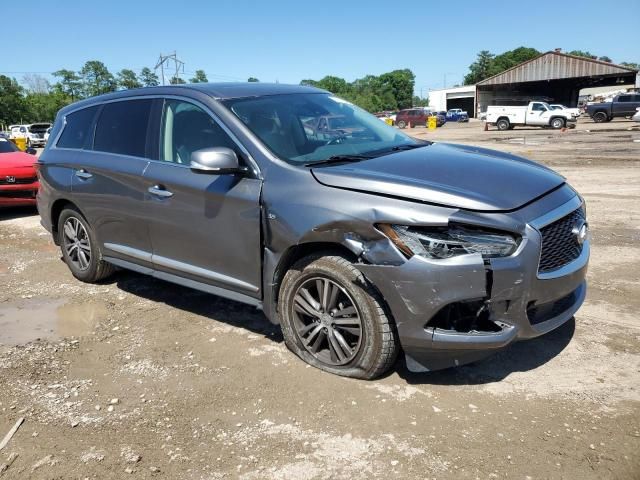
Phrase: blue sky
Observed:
(291, 40)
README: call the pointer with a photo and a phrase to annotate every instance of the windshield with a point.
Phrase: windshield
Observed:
(7, 147)
(309, 127)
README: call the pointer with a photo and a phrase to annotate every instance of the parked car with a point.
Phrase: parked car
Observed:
(412, 117)
(386, 117)
(359, 247)
(18, 179)
(576, 112)
(623, 105)
(457, 115)
(636, 117)
(47, 134)
(537, 114)
(33, 133)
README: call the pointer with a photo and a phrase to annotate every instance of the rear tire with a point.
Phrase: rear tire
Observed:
(600, 117)
(557, 123)
(362, 341)
(503, 124)
(80, 248)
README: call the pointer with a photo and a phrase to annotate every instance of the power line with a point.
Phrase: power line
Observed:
(166, 59)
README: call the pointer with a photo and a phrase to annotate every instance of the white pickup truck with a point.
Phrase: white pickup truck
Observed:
(538, 114)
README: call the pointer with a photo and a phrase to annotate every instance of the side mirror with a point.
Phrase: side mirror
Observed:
(215, 160)
(31, 151)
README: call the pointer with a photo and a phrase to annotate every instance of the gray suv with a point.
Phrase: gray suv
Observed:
(361, 242)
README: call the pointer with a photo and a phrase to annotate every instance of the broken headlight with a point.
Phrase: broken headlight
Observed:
(450, 241)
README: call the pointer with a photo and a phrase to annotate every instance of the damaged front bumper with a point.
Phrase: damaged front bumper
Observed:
(505, 299)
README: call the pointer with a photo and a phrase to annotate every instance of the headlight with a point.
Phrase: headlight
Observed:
(446, 242)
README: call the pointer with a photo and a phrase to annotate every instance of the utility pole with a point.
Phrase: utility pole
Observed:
(166, 59)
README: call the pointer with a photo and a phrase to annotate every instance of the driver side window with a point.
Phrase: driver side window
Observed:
(538, 107)
(187, 128)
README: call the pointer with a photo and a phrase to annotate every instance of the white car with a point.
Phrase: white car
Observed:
(636, 117)
(33, 133)
(47, 134)
(573, 111)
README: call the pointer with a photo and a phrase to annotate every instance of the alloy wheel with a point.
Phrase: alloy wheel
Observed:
(327, 321)
(76, 243)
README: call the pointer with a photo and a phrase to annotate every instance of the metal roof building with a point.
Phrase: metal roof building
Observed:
(553, 76)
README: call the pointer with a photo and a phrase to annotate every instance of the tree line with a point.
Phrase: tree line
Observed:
(35, 99)
(389, 91)
(488, 64)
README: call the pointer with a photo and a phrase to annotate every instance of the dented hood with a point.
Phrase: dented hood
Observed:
(459, 176)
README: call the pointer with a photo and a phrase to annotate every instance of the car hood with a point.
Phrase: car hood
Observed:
(459, 176)
(14, 160)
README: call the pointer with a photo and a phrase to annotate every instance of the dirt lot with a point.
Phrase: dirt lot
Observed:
(137, 378)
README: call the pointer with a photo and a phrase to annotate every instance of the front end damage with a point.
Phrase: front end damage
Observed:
(458, 310)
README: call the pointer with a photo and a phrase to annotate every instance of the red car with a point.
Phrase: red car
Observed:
(18, 178)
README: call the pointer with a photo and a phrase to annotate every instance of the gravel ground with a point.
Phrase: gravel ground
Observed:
(137, 378)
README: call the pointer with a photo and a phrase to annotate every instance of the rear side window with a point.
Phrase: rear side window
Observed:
(625, 98)
(76, 133)
(122, 127)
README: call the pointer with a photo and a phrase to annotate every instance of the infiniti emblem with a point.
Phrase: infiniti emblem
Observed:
(10, 179)
(581, 231)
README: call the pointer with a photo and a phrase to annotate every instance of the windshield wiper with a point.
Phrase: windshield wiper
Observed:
(339, 159)
(410, 146)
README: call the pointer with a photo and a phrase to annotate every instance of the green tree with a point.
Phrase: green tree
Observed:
(199, 77)
(582, 53)
(479, 70)
(149, 78)
(635, 66)
(175, 80)
(511, 58)
(604, 58)
(96, 79)
(127, 79)
(69, 83)
(252, 79)
(13, 107)
(420, 102)
(43, 107)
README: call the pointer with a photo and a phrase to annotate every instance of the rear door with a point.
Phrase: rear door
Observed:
(107, 181)
(203, 226)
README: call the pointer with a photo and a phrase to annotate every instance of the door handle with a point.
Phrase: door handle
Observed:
(159, 191)
(83, 174)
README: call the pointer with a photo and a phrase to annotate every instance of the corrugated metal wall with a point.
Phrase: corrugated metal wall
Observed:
(554, 66)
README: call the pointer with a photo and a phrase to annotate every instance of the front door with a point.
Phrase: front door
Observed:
(203, 226)
(537, 114)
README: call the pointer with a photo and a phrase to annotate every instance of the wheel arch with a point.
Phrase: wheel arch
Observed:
(56, 209)
(295, 253)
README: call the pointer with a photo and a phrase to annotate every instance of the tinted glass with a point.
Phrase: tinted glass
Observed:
(7, 147)
(625, 98)
(290, 126)
(76, 133)
(122, 127)
(187, 128)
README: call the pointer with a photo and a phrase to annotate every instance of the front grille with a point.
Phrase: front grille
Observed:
(559, 244)
(18, 193)
(547, 311)
(19, 181)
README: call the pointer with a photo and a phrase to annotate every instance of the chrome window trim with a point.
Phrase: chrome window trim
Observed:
(216, 118)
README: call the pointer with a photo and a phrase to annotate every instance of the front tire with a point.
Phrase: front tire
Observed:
(333, 319)
(402, 124)
(80, 249)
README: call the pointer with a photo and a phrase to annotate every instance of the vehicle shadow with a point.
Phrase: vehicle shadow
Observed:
(193, 301)
(518, 357)
(11, 213)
